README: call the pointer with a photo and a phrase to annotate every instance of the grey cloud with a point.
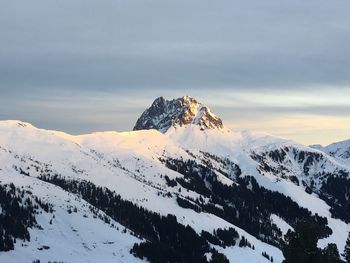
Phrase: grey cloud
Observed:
(111, 45)
(132, 51)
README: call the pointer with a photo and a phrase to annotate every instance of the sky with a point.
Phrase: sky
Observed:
(279, 66)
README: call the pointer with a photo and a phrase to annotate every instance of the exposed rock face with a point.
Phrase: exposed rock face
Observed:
(164, 114)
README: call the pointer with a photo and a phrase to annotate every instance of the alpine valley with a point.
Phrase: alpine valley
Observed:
(180, 187)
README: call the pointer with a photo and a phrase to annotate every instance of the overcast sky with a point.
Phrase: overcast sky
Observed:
(278, 66)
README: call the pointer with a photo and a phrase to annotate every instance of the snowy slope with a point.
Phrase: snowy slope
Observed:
(339, 150)
(138, 179)
(70, 237)
(132, 164)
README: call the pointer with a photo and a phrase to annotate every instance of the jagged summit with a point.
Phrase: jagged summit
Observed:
(164, 114)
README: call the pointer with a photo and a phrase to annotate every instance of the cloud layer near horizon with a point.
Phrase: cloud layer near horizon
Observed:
(90, 65)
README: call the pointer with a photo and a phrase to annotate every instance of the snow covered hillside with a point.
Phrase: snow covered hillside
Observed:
(339, 150)
(181, 184)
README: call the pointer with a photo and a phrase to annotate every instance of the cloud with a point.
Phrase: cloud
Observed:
(91, 65)
(113, 45)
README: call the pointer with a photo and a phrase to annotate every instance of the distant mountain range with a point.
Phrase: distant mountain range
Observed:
(181, 187)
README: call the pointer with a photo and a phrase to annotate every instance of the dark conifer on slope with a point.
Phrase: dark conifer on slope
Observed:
(347, 250)
(245, 204)
(301, 246)
(166, 239)
(17, 215)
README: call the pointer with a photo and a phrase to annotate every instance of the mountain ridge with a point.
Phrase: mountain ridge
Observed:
(163, 114)
(188, 176)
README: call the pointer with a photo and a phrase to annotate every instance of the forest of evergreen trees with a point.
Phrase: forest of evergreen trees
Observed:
(245, 204)
(335, 191)
(300, 246)
(167, 240)
(17, 215)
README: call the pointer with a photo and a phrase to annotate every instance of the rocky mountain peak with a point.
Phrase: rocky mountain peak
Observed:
(164, 114)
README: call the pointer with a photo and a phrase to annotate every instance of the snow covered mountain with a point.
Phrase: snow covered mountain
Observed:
(339, 150)
(164, 114)
(179, 188)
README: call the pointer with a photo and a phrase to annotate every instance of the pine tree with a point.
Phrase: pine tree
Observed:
(301, 245)
(243, 242)
(218, 258)
(330, 254)
(347, 250)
